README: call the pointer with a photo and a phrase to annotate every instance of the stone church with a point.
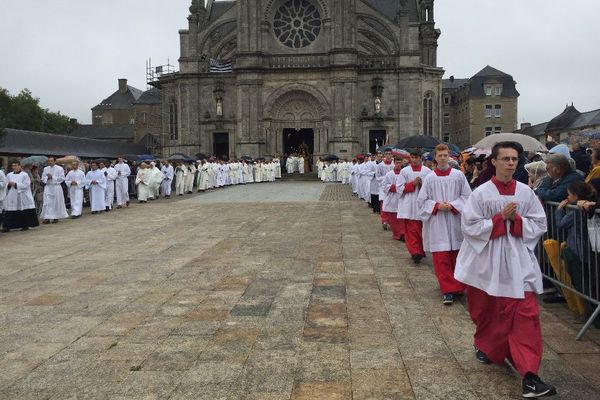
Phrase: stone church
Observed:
(265, 77)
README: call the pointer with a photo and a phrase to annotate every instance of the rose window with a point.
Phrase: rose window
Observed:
(297, 23)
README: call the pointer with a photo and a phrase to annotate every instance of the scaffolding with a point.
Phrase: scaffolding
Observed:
(153, 73)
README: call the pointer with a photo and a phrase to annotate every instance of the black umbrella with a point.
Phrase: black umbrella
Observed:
(177, 157)
(246, 158)
(200, 156)
(417, 141)
(330, 157)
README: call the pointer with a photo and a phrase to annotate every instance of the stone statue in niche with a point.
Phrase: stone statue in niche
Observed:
(377, 105)
(219, 107)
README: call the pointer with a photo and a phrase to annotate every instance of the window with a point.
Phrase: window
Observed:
(173, 128)
(447, 137)
(488, 131)
(446, 100)
(488, 111)
(498, 90)
(428, 115)
(132, 121)
(498, 110)
(498, 129)
(488, 90)
(446, 118)
(144, 117)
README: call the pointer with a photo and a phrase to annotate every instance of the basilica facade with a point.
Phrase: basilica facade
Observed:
(266, 77)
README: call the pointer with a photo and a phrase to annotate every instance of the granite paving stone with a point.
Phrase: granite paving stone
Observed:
(263, 292)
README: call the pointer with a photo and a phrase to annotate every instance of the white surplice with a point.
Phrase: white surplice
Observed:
(168, 174)
(97, 190)
(505, 266)
(3, 187)
(122, 183)
(111, 177)
(19, 198)
(54, 198)
(380, 174)
(407, 202)
(75, 180)
(441, 232)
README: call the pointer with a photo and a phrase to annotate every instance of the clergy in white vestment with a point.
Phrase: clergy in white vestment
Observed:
(143, 180)
(440, 202)
(95, 182)
(168, 175)
(75, 181)
(54, 199)
(502, 223)
(203, 176)
(19, 206)
(181, 172)
(325, 175)
(354, 176)
(409, 184)
(301, 164)
(111, 176)
(372, 187)
(246, 172)
(156, 179)
(122, 182)
(3, 188)
(189, 179)
(277, 162)
(389, 206)
(383, 168)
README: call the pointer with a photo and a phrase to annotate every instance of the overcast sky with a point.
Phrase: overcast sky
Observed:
(70, 53)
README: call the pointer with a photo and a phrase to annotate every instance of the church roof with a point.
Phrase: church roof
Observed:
(478, 80)
(105, 132)
(151, 96)
(219, 8)
(17, 142)
(535, 131)
(120, 101)
(571, 119)
(453, 83)
(491, 72)
(391, 9)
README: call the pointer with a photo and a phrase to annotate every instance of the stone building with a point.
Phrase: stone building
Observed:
(326, 76)
(117, 109)
(482, 105)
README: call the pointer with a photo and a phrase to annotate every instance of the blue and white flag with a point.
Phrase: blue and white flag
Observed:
(220, 66)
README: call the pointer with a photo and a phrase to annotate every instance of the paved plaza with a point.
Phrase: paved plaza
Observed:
(269, 291)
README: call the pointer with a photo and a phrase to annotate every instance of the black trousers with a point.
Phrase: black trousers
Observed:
(375, 203)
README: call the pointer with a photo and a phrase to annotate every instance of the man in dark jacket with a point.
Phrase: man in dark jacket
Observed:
(582, 159)
(560, 174)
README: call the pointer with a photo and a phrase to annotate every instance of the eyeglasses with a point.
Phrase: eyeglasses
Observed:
(507, 159)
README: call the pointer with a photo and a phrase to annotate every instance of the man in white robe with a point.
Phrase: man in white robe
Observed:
(383, 168)
(354, 176)
(301, 164)
(19, 206)
(111, 176)
(168, 174)
(75, 181)
(122, 182)
(203, 176)
(189, 179)
(143, 180)
(181, 173)
(95, 182)
(54, 198)
(156, 179)
(409, 184)
(502, 222)
(319, 168)
(440, 203)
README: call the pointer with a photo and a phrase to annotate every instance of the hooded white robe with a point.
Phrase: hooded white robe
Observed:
(54, 198)
(96, 190)
(77, 177)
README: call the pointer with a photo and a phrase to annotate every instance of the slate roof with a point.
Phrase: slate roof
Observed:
(478, 80)
(391, 8)
(535, 131)
(151, 96)
(448, 84)
(23, 143)
(105, 132)
(120, 101)
(219, 8)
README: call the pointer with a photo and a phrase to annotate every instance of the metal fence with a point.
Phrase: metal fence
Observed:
(570, 259)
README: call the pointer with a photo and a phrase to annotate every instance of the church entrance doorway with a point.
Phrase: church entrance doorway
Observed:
(301, 141)
(221, 145)
(376, 138)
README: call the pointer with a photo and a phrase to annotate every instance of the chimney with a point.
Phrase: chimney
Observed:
(122, 86)
(452, 78)
(525, 125)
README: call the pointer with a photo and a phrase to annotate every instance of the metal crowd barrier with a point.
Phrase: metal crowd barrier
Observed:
(577, 277)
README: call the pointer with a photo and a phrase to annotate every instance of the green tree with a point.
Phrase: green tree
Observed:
(23, 111)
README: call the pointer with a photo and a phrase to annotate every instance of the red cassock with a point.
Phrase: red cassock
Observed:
(507, 328)
(414, 237)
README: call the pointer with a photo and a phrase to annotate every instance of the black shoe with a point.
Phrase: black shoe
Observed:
(534, 387)
(448, 299)
(55, 221)
(554, 298)
(26, 228)
(417, 258)
(481, 357)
